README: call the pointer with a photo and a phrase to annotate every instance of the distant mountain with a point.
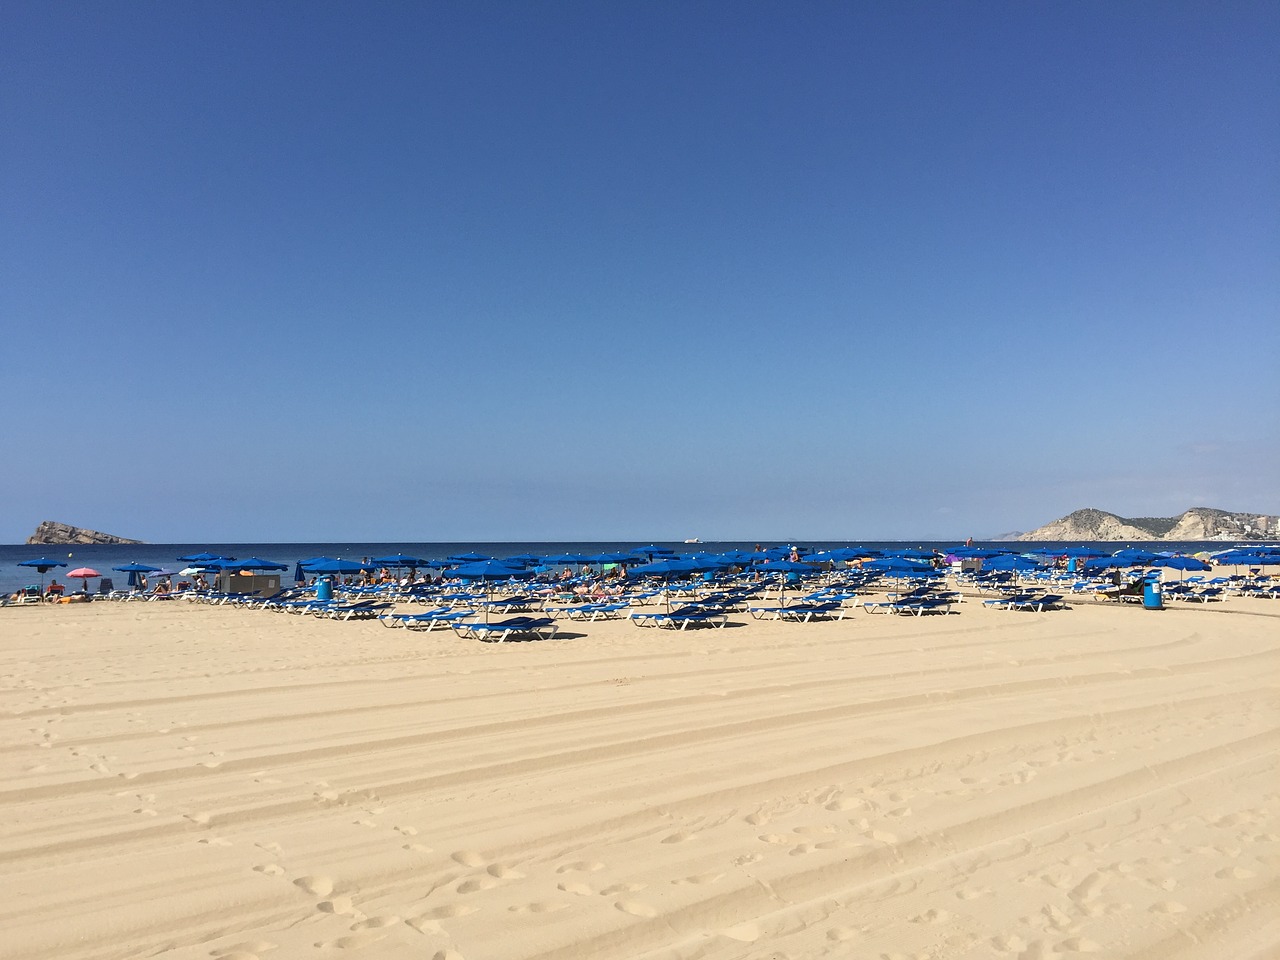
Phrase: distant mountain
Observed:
(51, 531)
(1198, 523)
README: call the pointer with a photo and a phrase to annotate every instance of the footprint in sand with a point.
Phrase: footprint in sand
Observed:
(319, 885)
(340, 906)
(636, 908)
(841, 934)
(424, 925)
(742, 932)
(270, 869)
(1234, 873)
(376, 923)
(618, 888)
(448, 912)
(1080, 945)
(468, 858)
(504, 872)
(1009, 943)
(1168, 906)
(447, 954)
(699, 879)
(476, 884)
(747, 859)
(246, 949)
(354, 941)
(932, 916)
(581, 889)
(539, 906)
(580, 866)
(680, 836)
(407, 831)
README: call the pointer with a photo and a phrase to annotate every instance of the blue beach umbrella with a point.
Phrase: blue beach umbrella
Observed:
(1182, 564)
(398, 560)
(42, 564)
(203, 558)
(337, 566)
(666, 569)
(468, 558)
(1010, 561)
(786, 567)
(256, 563)
(1136, 557)
(489, 572)
(133, 569)
(652, 550)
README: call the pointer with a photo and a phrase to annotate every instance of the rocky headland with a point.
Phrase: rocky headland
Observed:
(1198, 523)
(50, 531)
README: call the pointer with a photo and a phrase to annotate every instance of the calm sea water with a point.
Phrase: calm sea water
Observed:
(164, 555)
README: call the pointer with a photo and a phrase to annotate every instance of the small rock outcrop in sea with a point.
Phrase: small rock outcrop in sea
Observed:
(1198, 523)
(50, 531)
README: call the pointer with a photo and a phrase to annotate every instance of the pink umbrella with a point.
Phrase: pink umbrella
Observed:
(85, 574)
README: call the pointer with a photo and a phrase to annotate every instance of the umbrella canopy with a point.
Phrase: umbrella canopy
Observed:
(133, 569)
(887, 564)
(469, 558)
(202, 557)
(567, 558)
(1181, 563)
(337, 566)
(489, 570)
(43, 564)
(1010, 561)
(1136, 557)
(84, 573)
(785, 567)
(652, 551)
(255, 563)
(1247, 558)
(399, 560)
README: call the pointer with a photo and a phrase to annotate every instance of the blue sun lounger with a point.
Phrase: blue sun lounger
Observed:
(1047, 601)
(595, 611)
(513, 628)
(808, 612)
(359, 610)
(437, 619)
(681, 619)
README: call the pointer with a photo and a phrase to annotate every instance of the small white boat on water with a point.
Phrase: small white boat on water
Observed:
(693, 540)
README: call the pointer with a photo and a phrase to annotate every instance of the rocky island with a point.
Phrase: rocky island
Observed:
(50, 531)
(1198, 523)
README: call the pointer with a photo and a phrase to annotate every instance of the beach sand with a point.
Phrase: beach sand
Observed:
(190, 782)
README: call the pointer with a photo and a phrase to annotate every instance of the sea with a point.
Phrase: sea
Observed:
(165, 555)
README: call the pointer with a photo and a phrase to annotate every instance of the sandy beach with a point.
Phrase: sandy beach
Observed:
(192, 781)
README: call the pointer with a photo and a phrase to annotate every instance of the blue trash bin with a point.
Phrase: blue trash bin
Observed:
(324, 589)
(1151, 597)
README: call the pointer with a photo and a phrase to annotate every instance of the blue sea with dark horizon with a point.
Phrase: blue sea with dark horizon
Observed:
(102, 557)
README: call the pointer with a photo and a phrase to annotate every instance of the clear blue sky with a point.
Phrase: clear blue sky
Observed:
(437, 271)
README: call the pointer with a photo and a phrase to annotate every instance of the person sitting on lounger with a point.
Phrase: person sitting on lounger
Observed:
(54, 591)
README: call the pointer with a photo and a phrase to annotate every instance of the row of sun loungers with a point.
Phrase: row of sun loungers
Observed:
(1027, 601)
